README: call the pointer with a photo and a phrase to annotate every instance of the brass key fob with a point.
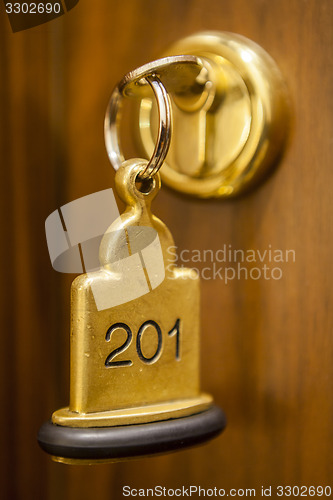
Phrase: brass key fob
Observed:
(135, 386)
(135, 377)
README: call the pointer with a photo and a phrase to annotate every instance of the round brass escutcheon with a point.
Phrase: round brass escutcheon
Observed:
(227, 145)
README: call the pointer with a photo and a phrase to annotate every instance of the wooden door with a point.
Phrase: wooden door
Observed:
(267, 347)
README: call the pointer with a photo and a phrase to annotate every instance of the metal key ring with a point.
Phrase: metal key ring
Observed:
(164, 128)
(136, 81)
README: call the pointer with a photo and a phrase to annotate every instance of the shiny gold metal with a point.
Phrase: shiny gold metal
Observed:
(136, 415)
(82, 461)
(184, 75)
(96, 461)
(151, 373)
(227, 144)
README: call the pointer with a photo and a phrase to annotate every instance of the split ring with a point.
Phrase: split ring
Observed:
(167, 68)
(164, 128)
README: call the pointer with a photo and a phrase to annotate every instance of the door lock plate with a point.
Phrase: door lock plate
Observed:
(227, 145)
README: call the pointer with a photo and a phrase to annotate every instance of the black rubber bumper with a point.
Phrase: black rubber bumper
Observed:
(130, 440)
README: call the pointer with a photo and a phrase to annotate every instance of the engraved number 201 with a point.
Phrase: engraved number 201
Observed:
(109, 362)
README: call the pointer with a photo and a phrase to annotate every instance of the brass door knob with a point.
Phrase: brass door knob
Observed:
(226, 144)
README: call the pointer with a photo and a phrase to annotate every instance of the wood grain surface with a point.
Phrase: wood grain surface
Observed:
(267, 345)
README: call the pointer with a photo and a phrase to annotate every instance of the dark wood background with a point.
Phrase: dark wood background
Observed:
(267, 345)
